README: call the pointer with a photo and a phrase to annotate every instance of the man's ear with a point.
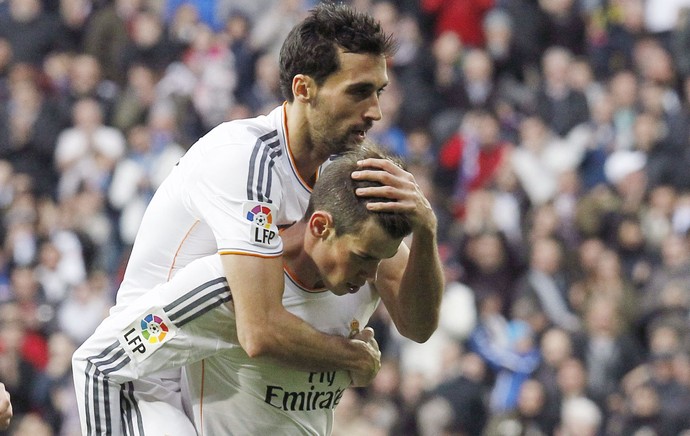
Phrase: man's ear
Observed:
(321, 224)
(303, 88)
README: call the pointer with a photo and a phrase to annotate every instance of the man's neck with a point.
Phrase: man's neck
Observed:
(307, 159)
(296, 258)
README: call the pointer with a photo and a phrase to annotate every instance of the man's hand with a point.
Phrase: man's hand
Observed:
(5, 408)
(411, 282)
(366, 338)
(401, 187)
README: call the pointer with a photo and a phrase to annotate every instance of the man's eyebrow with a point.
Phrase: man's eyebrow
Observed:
(360, 86)
(365, 86)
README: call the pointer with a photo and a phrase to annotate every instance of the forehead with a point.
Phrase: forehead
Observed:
(373, 241)
(359, 69)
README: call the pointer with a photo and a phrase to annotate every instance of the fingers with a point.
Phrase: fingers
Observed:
(397, 183)
(364, 377)
(405, 197)
(391, 175)
(383, 164)
(395, 187)
(365, 335)
(398, 186)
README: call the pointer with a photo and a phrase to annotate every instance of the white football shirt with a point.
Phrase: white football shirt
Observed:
(228, 194)
(233, 394)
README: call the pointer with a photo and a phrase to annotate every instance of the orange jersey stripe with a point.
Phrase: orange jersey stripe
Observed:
(179, 247)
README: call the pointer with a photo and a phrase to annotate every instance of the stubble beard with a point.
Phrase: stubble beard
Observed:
(325, 144)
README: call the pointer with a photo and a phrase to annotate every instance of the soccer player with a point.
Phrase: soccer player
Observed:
(342, 245)
(244, 180)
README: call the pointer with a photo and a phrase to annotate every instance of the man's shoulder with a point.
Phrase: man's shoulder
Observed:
(245, 133)
(256, 127)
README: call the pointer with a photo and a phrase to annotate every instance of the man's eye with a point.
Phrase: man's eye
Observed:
(361, 93)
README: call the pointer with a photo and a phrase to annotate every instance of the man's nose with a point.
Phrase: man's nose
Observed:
(374, 110)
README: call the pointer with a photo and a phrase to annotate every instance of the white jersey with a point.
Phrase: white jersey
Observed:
(185, 320)
(233, 394)
(228, 194)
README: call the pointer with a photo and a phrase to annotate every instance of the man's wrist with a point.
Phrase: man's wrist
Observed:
(426, 230)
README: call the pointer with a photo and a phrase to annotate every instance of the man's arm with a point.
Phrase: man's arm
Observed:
(410, 283)
(5, 408)
(265, 328)
(174, 324)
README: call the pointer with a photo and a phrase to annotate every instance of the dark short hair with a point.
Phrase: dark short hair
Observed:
(311, 47)
(334, 193)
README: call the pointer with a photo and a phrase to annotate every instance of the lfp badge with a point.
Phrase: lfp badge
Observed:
(262, 231)
(261, 215)
(153, 328)
(145, 335)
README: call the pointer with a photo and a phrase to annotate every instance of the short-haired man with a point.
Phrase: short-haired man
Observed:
(342, 245)
(244, 180)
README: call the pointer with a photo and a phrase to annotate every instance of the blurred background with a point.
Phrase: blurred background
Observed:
(551, 136)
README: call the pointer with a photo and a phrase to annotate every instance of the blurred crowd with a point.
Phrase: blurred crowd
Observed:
(551, 136)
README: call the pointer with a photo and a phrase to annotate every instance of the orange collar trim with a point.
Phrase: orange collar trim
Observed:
(289, 150)
(298, 282)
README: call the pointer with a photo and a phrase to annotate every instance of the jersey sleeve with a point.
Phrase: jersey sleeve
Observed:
(176, 323)
(237, 193)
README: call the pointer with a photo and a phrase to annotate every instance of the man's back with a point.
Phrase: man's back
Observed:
(206, 203)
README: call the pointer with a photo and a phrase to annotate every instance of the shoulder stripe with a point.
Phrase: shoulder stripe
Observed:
(126, 421)
(198, 301)
(90, 367)
(126, 416)
(269, 135)
(97, 387)
(130, 404)
(262, 151)
(271, 164)
(264, 194)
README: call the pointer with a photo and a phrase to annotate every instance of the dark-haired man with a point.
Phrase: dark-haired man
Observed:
(244, 180)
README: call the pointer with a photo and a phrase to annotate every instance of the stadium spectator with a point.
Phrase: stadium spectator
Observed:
(23, 144)
(607, 351)
(107, 35)
(31, 31)
(546, 282)
(462, 17)
(471, 159)
(86, 154)
(557, 103)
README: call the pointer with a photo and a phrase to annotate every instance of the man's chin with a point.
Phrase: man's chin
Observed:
(344, 146)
